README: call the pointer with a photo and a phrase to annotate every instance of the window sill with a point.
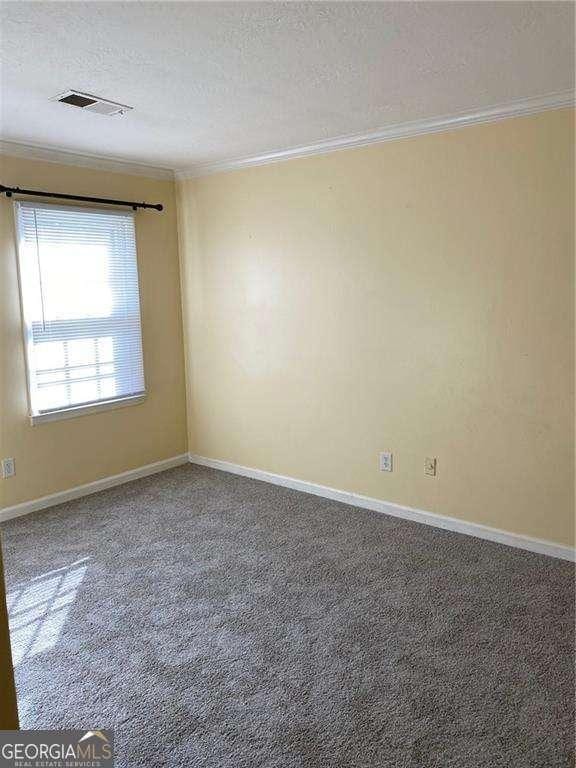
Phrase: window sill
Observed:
(85, 410)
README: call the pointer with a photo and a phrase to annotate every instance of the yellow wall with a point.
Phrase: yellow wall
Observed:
(54, 456)
(415, 296)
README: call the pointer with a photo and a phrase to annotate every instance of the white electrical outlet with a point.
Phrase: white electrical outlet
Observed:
(386, 461)
(8, 468)
(430, 465)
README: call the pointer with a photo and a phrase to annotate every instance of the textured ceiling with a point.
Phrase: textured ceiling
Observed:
(216, 81)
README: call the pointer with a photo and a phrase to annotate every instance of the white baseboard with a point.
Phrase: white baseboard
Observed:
(540, 546)
(7, 513)
(354, 499)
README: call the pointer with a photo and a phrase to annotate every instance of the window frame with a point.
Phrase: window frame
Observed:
(84, 409)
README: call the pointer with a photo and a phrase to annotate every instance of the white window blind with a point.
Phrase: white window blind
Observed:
(81, 306)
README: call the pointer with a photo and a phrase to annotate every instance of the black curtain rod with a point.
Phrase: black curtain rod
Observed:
(9, 191)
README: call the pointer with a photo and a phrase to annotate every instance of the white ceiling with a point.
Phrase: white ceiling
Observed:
(215, 81)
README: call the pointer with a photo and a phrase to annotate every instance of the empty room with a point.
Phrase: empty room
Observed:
(287, 404)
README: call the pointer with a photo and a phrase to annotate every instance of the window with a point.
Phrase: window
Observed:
(81, 307)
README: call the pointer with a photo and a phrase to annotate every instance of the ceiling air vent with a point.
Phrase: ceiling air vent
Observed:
(90, 103)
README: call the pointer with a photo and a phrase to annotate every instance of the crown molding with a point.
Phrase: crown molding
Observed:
(98, 162)
(395, 131)
(517, 108)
